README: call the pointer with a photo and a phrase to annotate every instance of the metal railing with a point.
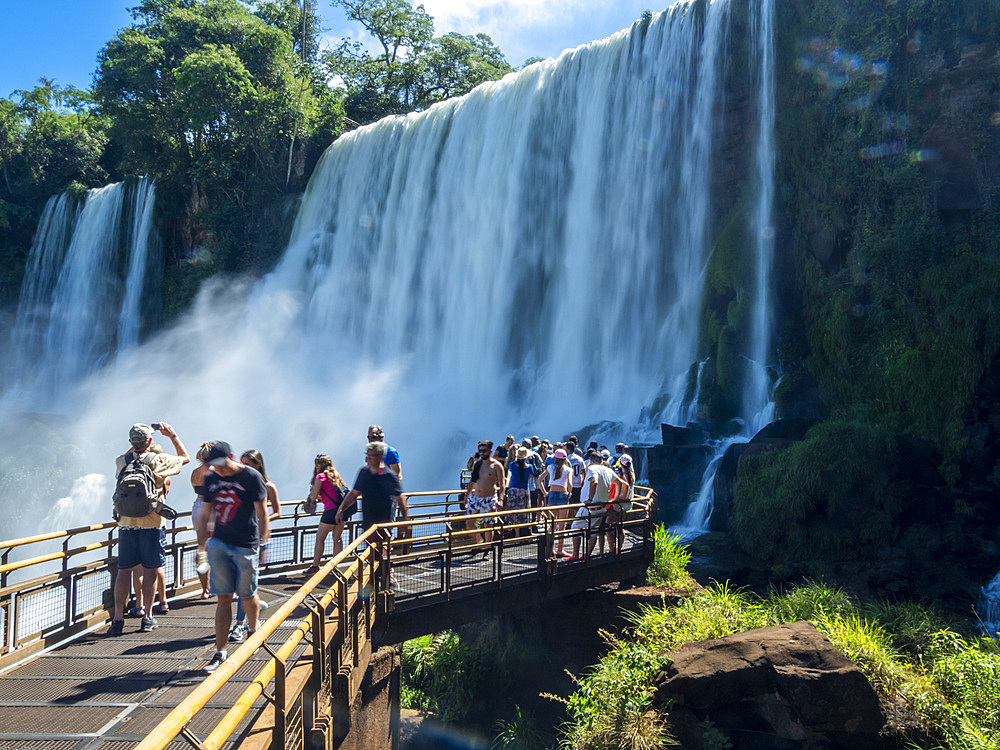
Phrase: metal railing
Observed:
(56, 584)
(344, 616)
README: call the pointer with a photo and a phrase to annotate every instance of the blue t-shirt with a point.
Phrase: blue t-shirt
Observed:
(391, 456)
(520, 477)
(232, 500)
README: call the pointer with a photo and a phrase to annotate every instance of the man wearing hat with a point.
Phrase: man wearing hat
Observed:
(142, 540)
(237, 497)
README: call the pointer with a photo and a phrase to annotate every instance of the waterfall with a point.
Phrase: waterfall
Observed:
(757, 407)
(76, 307)
(528, 258)
(989, 607)
(141, 244)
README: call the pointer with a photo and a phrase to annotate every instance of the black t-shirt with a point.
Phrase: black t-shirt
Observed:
(377, 491)
(232, 500)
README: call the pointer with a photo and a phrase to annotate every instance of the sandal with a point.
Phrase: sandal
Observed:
(161, 609)
(136, 612)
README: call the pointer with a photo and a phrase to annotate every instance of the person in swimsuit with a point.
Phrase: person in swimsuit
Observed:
(485, 491)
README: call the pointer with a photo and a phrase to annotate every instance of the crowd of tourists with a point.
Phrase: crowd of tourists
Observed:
(538, 473)
(235, 504)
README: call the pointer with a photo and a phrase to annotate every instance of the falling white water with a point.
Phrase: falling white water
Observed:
(989, 607)
(758, 406)
(528, 258)
(142, 244)
(78, 306)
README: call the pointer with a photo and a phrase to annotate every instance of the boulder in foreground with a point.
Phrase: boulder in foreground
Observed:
(784, 686)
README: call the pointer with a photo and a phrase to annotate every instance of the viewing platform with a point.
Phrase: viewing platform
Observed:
(65, 685)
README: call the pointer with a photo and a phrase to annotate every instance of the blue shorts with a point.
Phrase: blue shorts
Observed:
(233, 570)
(145, 547)
(558, 498)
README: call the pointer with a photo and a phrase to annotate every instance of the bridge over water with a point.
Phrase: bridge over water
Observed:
(65, 686)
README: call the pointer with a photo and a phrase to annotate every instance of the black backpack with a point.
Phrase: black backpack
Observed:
(135, 493)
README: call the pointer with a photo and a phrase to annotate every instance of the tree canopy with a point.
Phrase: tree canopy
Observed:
(412, 69)
(228, 104)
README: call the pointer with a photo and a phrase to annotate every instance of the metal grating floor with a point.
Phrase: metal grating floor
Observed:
(101, 693)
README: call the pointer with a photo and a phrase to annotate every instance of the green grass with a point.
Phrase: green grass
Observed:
(670, 560)
(952, 684)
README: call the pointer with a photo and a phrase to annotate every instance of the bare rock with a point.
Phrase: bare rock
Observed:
(777, 687)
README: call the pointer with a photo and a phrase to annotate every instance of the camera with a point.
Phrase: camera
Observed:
(155, 426)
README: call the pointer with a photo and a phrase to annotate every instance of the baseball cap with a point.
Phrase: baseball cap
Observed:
(605, 454)
(140, 434)
(620, 447)
(560, 453)
(219, 453)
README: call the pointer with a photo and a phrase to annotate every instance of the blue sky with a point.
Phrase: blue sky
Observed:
(60, 39)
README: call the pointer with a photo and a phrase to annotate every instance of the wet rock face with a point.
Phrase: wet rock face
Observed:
(779, 687)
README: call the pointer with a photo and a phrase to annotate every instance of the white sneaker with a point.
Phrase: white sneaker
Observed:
(238, 633)
(215, 662)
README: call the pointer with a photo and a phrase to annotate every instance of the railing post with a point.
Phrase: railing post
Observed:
(4, 559)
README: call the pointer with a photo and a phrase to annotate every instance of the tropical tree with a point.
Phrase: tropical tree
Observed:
(410, 69)
(221, 102)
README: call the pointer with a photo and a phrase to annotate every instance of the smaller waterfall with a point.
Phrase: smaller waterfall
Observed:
(82, 297)
(141, 246)
(989, 607)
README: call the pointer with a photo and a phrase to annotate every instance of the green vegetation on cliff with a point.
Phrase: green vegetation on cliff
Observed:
(888, 181)
(950, 683)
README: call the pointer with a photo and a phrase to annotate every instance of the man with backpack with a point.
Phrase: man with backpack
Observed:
(138, 500)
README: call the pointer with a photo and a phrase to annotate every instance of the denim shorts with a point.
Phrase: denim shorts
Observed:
(233, 569)
(558, 498)
(145, 547)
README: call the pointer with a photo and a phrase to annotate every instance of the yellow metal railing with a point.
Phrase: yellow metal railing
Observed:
(342, 617)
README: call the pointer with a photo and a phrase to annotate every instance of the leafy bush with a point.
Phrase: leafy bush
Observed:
(441, 674)
(821, 498)
(519, 733)
(670, 560)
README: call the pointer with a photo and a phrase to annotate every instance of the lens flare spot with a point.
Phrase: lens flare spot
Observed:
(924, 155)
(995, 119)
(881, 150)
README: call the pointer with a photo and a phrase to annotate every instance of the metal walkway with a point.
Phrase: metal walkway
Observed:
(147, 690)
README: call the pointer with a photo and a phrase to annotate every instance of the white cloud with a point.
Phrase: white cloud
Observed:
(520, 28)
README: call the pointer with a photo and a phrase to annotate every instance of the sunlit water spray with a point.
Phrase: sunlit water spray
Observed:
(528, 258)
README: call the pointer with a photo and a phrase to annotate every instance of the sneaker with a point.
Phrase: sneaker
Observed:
(148, 623)
(214, 663)
(117, 627)
(262, 603)
(238, 633)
